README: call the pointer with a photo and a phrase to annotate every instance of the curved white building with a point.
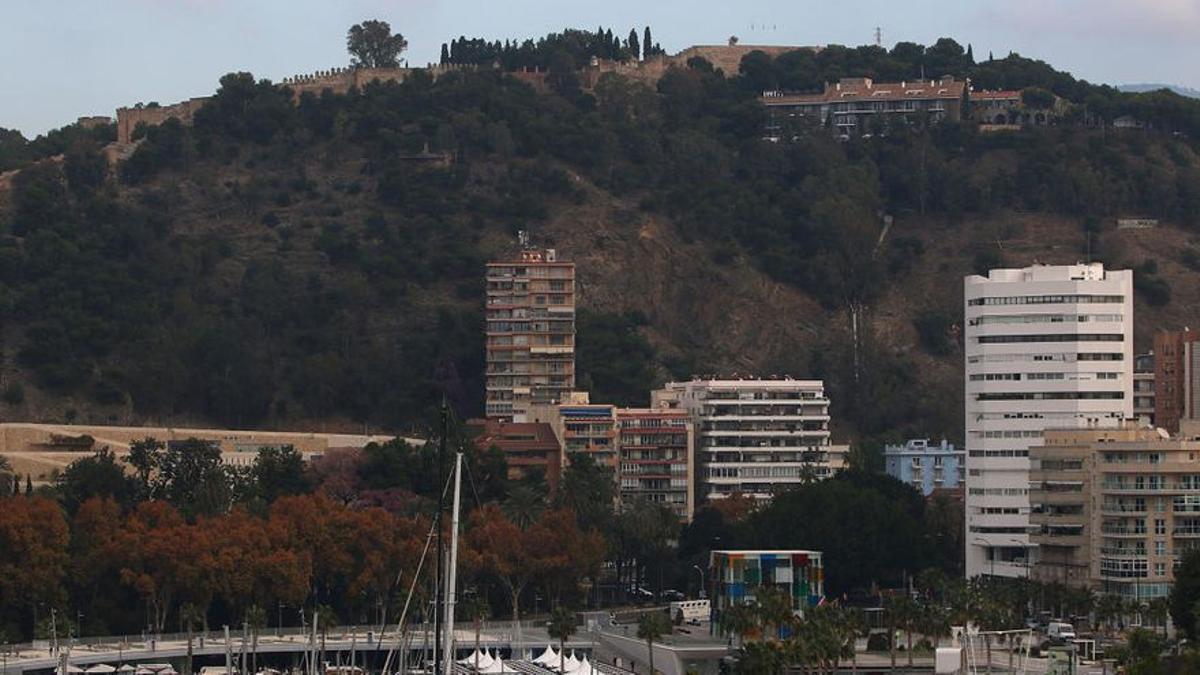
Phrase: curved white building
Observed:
(1045, 347)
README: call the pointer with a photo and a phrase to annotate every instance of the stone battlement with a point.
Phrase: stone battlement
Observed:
(154, 115)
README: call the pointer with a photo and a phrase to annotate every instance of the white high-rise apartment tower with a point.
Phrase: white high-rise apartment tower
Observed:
(1046, 347)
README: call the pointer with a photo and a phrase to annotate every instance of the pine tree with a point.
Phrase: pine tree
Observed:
(647, 44)
(635, 49)
(445, 54)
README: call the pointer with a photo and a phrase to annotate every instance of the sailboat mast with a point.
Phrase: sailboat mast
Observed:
(438, 579)
(452, 573)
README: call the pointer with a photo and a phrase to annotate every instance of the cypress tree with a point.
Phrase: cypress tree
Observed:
(970, 55)
(445, 54)
(28, 484)
(647, 44)
(635, 49)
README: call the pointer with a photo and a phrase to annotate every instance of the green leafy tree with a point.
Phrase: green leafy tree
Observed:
(279, 471)
(373, 45)
(255, 620)
(652, 626)
(101, 475)
(1185, 594)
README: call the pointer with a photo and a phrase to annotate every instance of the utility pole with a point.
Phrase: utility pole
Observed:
(437, 610)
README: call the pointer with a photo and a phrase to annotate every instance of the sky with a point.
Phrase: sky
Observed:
(68, 58)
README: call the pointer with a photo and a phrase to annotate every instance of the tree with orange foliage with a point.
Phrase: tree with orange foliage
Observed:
(157, 556)
(33, 554)
(501, 548)
(568, 552)
(95, 559)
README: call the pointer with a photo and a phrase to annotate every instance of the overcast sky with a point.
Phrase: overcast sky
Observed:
(67, 58)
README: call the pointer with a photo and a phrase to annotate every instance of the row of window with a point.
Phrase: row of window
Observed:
(1044, 299)
(999, 453)
(1066, 357)
(1050, 396)
(999, 492)
(1044, 318)
(1051, 337)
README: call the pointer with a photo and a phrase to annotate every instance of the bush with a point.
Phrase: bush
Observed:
(933, 332)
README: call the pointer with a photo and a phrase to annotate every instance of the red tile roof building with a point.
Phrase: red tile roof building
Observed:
(527, 447)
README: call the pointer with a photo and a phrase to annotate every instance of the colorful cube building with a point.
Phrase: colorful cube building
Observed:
(738, 575)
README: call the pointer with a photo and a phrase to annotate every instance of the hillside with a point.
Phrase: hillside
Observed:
(303, 266)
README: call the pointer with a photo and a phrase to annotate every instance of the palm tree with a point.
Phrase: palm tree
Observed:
(476, 609)
(1108, 608)
(774, 609)
(652, 626)
(191, 615)
(523, 506)
(1157, 611)
(740, 619)
(561, 627)
(255, 619)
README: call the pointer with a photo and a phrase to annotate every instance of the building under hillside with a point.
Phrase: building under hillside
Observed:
(1046, 346)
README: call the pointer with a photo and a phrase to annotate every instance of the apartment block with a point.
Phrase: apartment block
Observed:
(530, 318)
(528, 447)
(1045, 347)
(1176, 378)
(657, 449)
(581, 427)
(926, 467)
(756, 437)
(1115, 509)
(851, 105)
(1143, 390)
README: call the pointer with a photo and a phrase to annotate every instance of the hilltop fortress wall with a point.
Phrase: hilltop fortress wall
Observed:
(342, 80)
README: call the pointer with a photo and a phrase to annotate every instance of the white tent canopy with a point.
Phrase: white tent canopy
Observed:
(571, 664)
(101, 668)
(71, 668)
(548, 657)
(584, 668)
(494, 667)
(470, 660)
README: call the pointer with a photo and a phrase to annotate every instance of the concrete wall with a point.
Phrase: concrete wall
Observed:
(38, 450)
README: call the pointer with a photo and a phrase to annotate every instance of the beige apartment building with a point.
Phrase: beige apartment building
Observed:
(39, 450)
(530, 318)
(1115, 509)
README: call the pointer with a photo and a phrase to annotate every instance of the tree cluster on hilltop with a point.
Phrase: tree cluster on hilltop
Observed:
(278, 261)
(571, 49)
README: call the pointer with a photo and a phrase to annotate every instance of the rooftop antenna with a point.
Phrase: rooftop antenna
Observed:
(878, 36)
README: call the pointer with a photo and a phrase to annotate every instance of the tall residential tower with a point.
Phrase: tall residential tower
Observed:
(1046, 347)
(530, 333)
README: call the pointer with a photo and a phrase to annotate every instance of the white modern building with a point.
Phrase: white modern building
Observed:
(1046, 347)
(756, 437)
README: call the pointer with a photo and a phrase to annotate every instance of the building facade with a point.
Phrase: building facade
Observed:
(581, 427)
(756, 437)
(657, 450)
(530, 345)
(854, 104)
(926, 467)
(1045, 347)
(1115, 509)
(528, 447)
(1176, 377)
(1143, 390)
(737, 576)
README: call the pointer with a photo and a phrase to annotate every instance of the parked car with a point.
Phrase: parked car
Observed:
(672, 595)
(1060, 632)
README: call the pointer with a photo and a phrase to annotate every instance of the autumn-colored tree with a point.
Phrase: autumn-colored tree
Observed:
(336, 473)
(157, 555)
(567, 552)
(33, 555)
(504, 550)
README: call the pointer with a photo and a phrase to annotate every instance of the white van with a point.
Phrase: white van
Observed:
(1060, 631)
(690, 611)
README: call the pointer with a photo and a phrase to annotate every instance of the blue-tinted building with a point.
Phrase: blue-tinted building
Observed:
(926, 467)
